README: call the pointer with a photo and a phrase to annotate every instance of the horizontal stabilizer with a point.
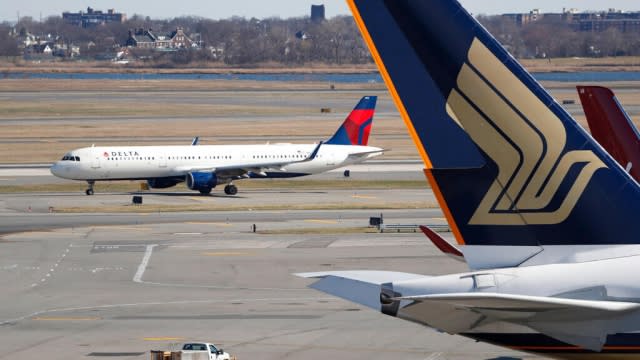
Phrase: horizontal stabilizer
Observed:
(562, 318)
(360, 287)
(366, 154)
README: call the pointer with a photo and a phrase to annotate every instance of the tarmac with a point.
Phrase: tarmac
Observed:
(118, 285)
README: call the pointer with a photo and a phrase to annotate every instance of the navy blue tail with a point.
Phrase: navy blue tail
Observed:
(508, 164)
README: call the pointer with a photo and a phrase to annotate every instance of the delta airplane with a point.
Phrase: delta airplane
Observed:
(203, 167)
(611, 126)
(545, 218)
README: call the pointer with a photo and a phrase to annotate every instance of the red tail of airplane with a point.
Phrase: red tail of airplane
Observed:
(611, 127)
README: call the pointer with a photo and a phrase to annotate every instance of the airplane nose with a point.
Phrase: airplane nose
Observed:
(58, 170)
(54, 169)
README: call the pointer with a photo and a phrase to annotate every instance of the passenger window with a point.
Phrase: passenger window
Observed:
(77, 158)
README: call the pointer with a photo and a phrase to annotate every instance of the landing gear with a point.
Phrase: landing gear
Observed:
(230, 189)
(89, 191)
(205, 191)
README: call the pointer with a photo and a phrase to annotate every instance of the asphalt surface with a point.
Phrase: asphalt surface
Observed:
(117, 285)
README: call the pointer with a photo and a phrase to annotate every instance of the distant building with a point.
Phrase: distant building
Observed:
(93, 17)
(317, 13)
(625, 22)
(148, 39)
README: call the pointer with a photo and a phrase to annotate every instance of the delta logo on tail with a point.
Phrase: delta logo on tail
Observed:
(611, 126)
(356, 127)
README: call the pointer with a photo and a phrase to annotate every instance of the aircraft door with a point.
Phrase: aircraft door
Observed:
(330, 158)
(95, 159)
(162, 161)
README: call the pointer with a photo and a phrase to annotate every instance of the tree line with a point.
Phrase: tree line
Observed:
(551, 37)
(234, 41)
(298, 41)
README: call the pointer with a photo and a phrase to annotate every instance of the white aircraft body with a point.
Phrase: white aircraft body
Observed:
(203, 167)
(544, 217)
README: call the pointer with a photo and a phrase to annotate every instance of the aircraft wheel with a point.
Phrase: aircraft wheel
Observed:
(230, 189)
(89, 192)
(206, 191)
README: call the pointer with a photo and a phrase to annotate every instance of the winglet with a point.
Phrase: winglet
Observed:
(195, 140)
(314, 153)
(442, 244)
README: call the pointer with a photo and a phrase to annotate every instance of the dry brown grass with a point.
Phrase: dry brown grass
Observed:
(129, 118)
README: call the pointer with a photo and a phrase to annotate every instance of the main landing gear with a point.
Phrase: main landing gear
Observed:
(230, 189)
(89, 191)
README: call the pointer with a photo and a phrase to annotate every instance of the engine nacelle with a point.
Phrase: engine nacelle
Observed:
(202, 181)
(163, 183)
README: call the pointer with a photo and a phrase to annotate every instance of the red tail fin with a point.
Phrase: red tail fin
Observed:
(442, 244)
(611, 127)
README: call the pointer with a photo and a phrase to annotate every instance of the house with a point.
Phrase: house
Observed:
(148, 39)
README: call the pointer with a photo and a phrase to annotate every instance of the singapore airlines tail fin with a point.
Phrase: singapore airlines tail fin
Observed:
(508, 165)
(611, 127)
(356, 127)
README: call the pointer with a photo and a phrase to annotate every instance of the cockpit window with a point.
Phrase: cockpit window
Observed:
(70, 158)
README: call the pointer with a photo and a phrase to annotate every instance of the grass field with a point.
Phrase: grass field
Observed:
(40, 120)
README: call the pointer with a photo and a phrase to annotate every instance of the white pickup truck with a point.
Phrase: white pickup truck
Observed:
(203, 351)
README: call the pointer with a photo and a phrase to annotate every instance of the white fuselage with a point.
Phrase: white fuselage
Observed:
(146, 162)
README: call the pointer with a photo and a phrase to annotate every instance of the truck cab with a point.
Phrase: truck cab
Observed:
(195, 350)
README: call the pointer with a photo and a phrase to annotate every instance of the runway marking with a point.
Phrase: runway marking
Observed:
(188, 233)
(143, 265)
(208, 223)
(228, 253)
(196, 198)
(363, 197)
(321, 221)
(163, 338)
(66, 318)
(167, 303)
(132, 227)
(52, 269)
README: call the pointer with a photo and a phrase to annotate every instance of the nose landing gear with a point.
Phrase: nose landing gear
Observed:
(89, 191)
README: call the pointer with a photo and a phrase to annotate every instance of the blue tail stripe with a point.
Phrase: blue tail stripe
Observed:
(361, 130)
(366, 103)
(339, 138)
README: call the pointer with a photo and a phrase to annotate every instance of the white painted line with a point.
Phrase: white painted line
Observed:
(143, 265)
(187, 233)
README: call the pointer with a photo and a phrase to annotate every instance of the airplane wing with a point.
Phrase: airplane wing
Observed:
(360, 287)
(561, 318)
(239, 169)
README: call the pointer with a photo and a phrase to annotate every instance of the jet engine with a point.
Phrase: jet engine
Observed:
(202, 181)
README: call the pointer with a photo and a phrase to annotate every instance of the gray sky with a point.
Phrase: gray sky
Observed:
(217, 9)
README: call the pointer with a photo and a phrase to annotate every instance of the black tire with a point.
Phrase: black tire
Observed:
(89, 192)
(206, 191)
(230, 190)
